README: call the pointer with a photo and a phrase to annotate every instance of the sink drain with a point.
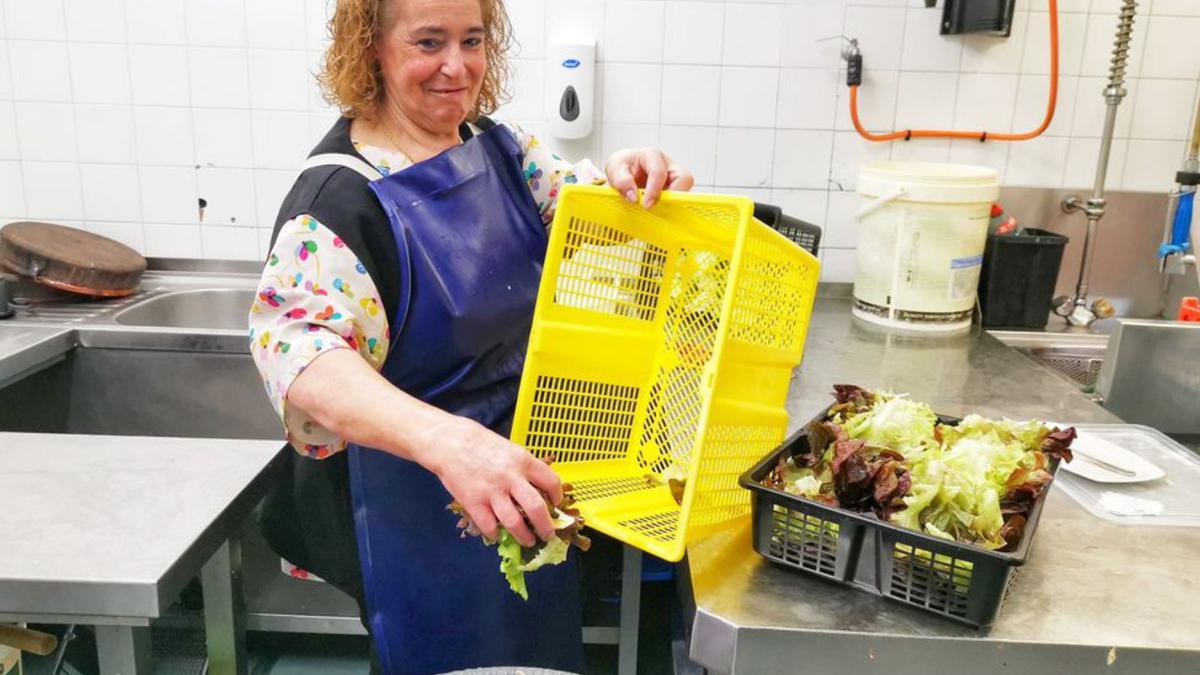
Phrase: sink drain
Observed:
(1083, 370)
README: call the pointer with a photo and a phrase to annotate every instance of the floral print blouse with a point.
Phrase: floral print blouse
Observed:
(316, 296)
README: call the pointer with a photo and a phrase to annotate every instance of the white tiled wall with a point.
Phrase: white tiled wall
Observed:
(118, 115)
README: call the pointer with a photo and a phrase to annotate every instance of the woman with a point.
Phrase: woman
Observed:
(391, 322)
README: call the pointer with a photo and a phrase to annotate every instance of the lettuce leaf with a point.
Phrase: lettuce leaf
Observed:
(553, 553)
(895, 422)
(512, 555)
(510, 562)
(806, 486)
(516, 560)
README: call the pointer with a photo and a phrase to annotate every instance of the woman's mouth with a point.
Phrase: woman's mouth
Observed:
(448, 91)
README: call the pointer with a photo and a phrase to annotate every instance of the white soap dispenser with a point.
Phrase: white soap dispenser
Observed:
(571, 88)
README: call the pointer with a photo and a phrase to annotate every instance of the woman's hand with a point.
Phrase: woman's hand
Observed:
(491, 478)
(647, 168)
(487, 474)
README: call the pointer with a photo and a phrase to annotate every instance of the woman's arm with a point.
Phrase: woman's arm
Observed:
(319, 336)
(486, 473)
(315, 295)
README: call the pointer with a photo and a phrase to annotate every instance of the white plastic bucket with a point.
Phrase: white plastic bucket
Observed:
(922, 229)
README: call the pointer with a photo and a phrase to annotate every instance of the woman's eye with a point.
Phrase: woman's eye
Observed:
(428, 44)
(473, 42)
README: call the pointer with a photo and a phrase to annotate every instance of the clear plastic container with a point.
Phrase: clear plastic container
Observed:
(1173, 500)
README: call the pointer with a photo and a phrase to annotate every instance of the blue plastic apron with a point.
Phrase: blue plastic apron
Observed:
(471, 245)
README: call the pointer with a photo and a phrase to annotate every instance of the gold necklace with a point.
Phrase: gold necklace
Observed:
(392, 139)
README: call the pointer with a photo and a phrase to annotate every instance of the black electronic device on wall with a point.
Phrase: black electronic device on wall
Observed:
(994, 17)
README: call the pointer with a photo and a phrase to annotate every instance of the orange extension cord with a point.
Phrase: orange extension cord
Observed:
(976, 135)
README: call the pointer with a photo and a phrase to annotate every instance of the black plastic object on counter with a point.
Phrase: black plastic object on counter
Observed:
(806, 235)
(1016, 285)
(963, 582)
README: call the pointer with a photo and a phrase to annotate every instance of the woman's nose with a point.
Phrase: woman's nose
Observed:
(453, 66)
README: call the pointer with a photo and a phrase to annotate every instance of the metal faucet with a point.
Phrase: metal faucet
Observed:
(1076, 310)
(1179, 254)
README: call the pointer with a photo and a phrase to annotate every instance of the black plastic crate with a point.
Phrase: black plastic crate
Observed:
(805, 235)
(963, 582)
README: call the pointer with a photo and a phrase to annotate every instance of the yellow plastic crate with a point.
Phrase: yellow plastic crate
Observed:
(663, 341)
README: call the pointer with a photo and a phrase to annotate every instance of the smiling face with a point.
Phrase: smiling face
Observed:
(433, 61)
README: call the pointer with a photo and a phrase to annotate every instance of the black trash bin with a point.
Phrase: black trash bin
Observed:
(1016, 285)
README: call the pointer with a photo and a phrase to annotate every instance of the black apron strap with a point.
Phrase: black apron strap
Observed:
(484, 123)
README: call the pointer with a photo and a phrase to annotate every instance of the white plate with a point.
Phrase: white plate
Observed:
(1087, 444)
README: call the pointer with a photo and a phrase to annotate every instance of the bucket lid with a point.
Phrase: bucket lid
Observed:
(930, 182)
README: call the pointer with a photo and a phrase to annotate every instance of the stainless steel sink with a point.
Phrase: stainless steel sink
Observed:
(142, 392)
(1146, 372)
(1076, 357)
(218, 308)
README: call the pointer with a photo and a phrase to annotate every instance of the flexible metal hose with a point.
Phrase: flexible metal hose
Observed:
(1077, 312)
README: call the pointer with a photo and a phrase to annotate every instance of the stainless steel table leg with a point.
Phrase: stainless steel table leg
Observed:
(225, 610)
(123, 650)
(631, 605)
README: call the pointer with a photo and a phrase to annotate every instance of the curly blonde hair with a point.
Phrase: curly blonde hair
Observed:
(350, 76)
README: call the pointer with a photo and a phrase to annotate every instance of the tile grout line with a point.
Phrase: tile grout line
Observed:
(620, 62)
(253, 143)
(662, 74)
(720, 78)
(1016, 99)
(74, 119)
(1015, 106)
(837, 104)
(310, 52)
(133, 121)
(253, 205)
(1062, 181)
(770, 186)
(209, 107)
(280, 167)
(545, 74)
(958, 75)
(598, 124)
(195, 174)
(895, 95)
(895, 91)
(20, 161)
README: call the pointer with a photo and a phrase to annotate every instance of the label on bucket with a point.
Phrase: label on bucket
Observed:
(964, 276)
(919, 263)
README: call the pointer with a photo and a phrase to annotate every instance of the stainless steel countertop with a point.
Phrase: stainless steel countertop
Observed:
(27, 347)
(1092, 596)
(115, 526)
